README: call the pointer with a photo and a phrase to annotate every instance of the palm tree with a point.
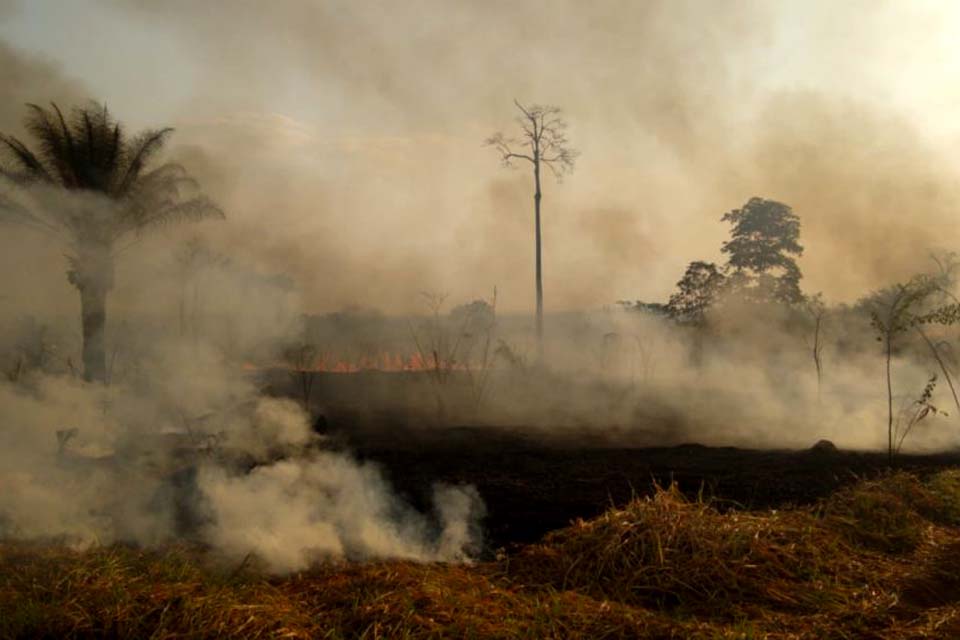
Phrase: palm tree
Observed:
(95, 189)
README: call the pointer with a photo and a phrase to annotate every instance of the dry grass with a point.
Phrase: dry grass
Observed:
(888, 514)
(123, 593)
(878, 560)
(668, 552)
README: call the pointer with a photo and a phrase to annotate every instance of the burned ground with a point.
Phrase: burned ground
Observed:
(535, 479)
(531, 487)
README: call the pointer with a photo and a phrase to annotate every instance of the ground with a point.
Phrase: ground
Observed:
(875, 560)
(587, 535)
(533, 484)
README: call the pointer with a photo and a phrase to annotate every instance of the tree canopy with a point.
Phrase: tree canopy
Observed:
(696, 292)
(763, 242)
(90, 153)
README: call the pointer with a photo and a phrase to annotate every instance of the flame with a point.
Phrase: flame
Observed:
(386, 361)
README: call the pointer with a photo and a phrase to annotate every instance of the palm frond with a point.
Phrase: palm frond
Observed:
(98, 163)
(70, 164)
(52, 147)
(195, 209)
(31, 168)
(167, 178)
(142, 149)
(156, 191)
(12, 212)
(90, 155)
(115, 148)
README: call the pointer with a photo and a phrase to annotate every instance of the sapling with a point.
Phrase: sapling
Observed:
(945, 315)
(911, 415)
(935, 351)
(892, 316)
(816, 310)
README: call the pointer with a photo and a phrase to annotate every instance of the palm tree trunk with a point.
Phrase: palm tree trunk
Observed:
(93, 310)
(536, 206)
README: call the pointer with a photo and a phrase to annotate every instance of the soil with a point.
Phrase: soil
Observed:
(531, 486)
(533, 480)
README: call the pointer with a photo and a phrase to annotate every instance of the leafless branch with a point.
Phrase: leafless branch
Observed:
(543, 133)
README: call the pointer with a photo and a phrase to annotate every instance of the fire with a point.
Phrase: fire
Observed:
(386, 361)
(380, 362)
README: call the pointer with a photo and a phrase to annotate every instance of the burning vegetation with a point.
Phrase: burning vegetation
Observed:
(239, 399)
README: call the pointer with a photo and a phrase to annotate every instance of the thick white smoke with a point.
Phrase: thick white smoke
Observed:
(198, 453)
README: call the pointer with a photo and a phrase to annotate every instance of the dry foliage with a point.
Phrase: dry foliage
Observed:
(878, 560)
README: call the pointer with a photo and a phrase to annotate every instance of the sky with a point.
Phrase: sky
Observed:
(344, 139)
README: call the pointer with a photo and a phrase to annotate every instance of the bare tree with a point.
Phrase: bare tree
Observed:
(477, 323)
(543, 143)
(302, 362)
(439, 349)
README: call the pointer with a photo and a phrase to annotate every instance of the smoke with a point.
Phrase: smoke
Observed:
(626, 378)
(182, 443)
(377, 186)
(84, 465)
(344, 140)
(295, 512)
(30, 78)
(871, 175)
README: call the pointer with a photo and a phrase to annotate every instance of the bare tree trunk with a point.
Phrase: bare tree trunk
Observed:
(536, 205)
(93, 310)
(183, 309)
(195, 313)
(306, 387)
(889, 403)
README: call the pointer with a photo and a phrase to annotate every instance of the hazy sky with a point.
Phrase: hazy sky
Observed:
(344, 138)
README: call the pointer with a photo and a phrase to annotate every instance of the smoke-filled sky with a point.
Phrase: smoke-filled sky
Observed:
(345, 138)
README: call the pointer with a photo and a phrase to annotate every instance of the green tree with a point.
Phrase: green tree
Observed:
(91, 186)
(542, 143)
(697, 291)
(763, 242)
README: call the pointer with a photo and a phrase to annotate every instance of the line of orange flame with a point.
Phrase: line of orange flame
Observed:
(379, 362)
